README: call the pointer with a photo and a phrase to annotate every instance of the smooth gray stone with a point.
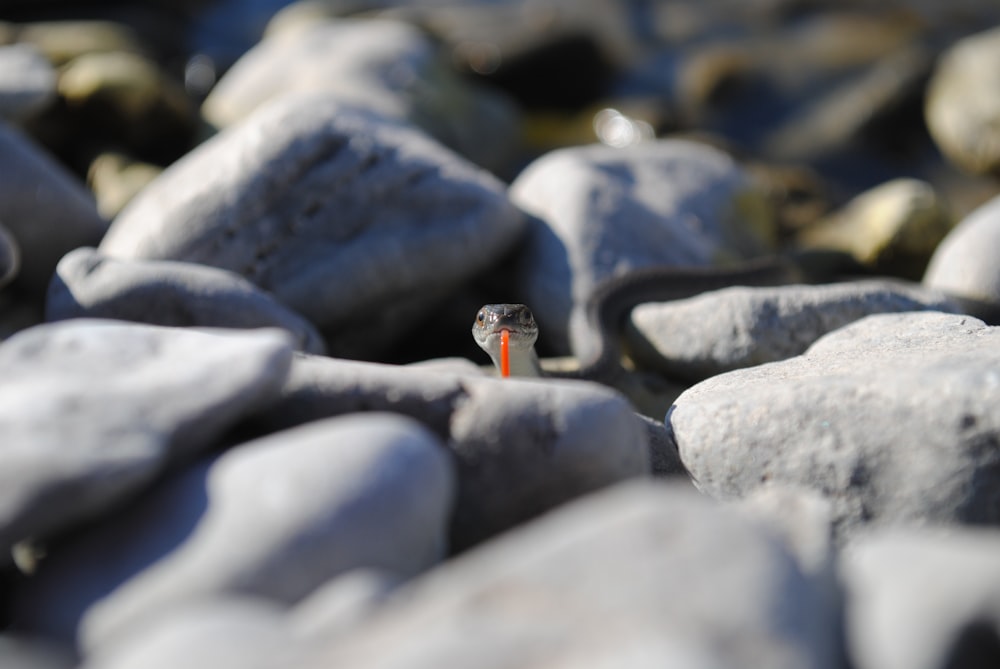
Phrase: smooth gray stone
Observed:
(923, 599)
(276, 518)
(342, 604)
(639, 575)
(27, 81)
(88, 284)
(892, 418)
(222, 633)
(10, 257)
(967, 262)
(19, 652)
(521, 446)
(741, 327)
(390, 66)
(356, 221)
(91, 411)
(46, 209)
(599, 211)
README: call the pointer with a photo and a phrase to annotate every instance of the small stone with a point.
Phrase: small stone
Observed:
(356, 221)
(923, 598)
(62, 41)
(48, 212)
(602, 211)
(651, 573)
(10, 257)
(741, 327)
(892, 419)
(92, 411)
(966, 263)
(342, 604)
(963, 103)
(116, 179)
(17, 652)
(27, 81)
(160, 292)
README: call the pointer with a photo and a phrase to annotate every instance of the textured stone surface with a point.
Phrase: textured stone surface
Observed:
(27, 81)
(892, 418)
(389, 66)
(356, 221)
(602, 211)
(741, 327)
(92, 410)
(276, 518)
(45, 208)
(923, 599)
(642, 575)
(521, 447)
(88, 284)
(967, 263)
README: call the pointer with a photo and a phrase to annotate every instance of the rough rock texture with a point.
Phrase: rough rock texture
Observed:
(892, 418)
(963, 103)
(601, 211)
(88, 284)
(45, 208)
(91, 411)
(965, 263)
(276, 518)
(741, 327)
(521, 447)
(389, 66)
(923, 599)
(642, 575)
(27, 81)
(354, 220)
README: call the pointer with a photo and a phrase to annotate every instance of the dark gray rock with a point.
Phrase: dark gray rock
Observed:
(642, 575)
(10, 257)
(923, 599)
(276, 517)
(966, 263)
(45, 208)
(354, 220)
(601, 211)
(27, 81)
(91, 411)
(90, 285)
(521, 446)
(740, 327)
(892, 418)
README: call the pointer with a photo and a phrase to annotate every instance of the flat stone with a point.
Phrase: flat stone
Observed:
(388, 66)
(10, 257)
(521, 446)
(27, 81)
(275, 517)
(600, 211)
(641, 575)
(741, 327)
(966, 262)
(288, 199)
(91, 411)
(923, 598)
(46, 209)
(891, 418)
(161, 292)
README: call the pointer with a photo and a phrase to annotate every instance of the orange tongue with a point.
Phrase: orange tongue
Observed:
(505, 353)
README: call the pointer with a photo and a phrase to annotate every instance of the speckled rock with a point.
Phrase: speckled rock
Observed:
(356, 221)
(894, 227)
(302, 506)
(10, 257)
(891, 418)
(963, 103)
(602, 211)
(521, 446)
(45, 208)
(967, 263)
(27, 81)
(642, 575)
(388, 66)
(923, 599)
(162, 292)
(91, 411)
(741, 327)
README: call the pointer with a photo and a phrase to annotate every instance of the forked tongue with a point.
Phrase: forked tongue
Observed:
(505, 353)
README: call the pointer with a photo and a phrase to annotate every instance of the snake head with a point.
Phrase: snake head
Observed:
(517, 319)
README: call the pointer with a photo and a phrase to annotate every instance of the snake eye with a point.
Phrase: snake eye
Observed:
(481, 316)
